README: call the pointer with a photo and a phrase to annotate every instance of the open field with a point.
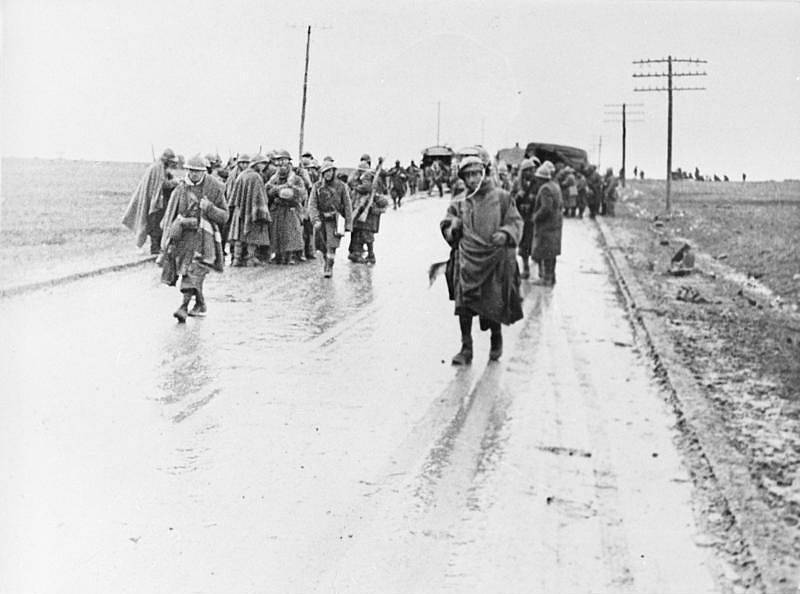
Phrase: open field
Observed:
(59, 217)
(743, 354)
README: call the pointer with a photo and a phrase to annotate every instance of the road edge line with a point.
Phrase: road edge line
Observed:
(62, 280)
(728, 466)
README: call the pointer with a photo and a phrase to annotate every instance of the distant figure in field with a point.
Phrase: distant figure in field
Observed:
(725, 178)
(146, 207)
(641, 174)
(744, 177)
(697, 174)
(636, 172)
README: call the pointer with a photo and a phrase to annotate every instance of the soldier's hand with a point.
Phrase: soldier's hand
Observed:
(499, 238)
(205, 203)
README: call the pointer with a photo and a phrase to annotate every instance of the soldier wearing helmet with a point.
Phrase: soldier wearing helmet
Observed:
(191, 244)
(331, 213)
(547, 224)
(397, 184)
(287, 193)
(524, 192)
(369, 204)
(146, 207)
(250, 218)
(482, 227)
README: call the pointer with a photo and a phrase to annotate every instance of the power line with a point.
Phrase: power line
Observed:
(669, 74)
(624, 120)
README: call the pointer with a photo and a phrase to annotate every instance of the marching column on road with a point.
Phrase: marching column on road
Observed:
(192, 244)
(482, 227)
(146, 207)
(277, 213)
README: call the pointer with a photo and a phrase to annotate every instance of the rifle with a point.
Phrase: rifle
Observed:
(365, 211)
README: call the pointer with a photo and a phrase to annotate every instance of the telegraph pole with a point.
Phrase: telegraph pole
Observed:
(624, 121)
(438, 119)
(669, 61)
(305, 87)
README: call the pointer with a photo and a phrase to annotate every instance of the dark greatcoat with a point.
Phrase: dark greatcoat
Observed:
(547, 222)
(251, 218)
(146, 200)
(287, 235)
(197, 240)
(328, 201)
(483, 278)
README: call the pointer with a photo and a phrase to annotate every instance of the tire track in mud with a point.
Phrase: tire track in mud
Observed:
(433, 476)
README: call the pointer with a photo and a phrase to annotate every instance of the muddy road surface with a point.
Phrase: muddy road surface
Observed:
(310, 435)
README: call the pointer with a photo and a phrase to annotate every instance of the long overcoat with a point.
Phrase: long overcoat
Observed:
(483, 278)
(251, 218)
(547, 222)
(146, 199)
(287, 227)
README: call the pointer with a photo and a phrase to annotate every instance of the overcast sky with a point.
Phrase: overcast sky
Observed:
(104, 80)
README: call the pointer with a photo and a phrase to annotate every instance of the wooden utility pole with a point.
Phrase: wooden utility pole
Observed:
(669, 60)
(305, 87)
(624, 121)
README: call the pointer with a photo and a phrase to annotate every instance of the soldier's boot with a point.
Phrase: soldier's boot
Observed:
(496, 344)
(464, 356)
(551, 272)
(182, 312)
(199, 309)
(526, 268)
(237, 254)
(370, 254)
(328, 270)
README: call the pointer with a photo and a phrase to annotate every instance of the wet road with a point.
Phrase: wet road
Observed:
(310, 435)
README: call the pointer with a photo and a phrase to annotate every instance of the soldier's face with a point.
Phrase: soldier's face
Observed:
(284, 165)
(328, 175)
(195, 175)
(472, 178)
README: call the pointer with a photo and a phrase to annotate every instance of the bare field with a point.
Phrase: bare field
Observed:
(744, 356)
(60, 217)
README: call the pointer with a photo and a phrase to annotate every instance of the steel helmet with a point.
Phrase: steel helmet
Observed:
(243, 158)
(545, 170)
(169, 155)
(468, 162)
(526, 164)
(259, 158)
(282, 154)
(196, 163)
(327, 165)
(314, 164)
(484, 155)
(366, 157)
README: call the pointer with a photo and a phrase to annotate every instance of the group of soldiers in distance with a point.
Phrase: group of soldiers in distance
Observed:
(263, 209)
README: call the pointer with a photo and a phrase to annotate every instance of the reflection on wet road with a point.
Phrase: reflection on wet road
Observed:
(310, 435)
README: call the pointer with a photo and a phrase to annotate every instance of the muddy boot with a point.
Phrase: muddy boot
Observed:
(496, 345)
(370, 254)
(526, 269)
(182, 312)
(328, 270)
(237, 255)
(199, 309)
(356, 257)
(464, 356)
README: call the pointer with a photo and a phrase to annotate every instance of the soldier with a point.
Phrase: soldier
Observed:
(580, 185)
(192, 244)
(594, 191)
(482, 227)
(438, 175)
(331, 213)
(547, 224)
(239, 164)
(250, 218)
(503, 177)
(368, 206)
(397, 184)
(413, 173)
(610, 191)
(524, 193)
(287, 191)
(146, 207)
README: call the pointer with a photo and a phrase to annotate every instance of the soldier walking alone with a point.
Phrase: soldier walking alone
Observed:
(192, 244)
(482, 227)
(547, 224)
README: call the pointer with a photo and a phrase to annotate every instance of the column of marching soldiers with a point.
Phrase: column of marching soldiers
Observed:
(263, 209)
